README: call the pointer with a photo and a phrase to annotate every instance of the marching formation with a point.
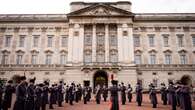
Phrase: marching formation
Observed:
(35, 97)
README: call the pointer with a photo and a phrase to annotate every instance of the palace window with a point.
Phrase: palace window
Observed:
(48, 59)
(125, 33)
(152, 59)
(137, 59)
(193, 40)
(167, 59)
(100, 56)
(100, 40)
(136, 41)
(22, 41)
(34, 59)
(183, 59)
(5, 59)
(8, 40)
(87, 57)
(180, 40)
(88, 40)
(166, 40)
(19, 59)
(35, 40)
(49, 40)
(151, 40)
(113, 40)
(63, 59)
(113, 56)
(64, 41)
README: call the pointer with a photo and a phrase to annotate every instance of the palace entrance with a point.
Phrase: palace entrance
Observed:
(100, 77)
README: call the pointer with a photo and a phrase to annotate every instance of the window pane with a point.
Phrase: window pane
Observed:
(167, 59)
(183, 59)
(34, 59)
(136, 41)
(19, 59)
(137, 59)
(193, 40)
(49, 42)
(180, 41)
(63, 59)
(166, 41)
(88, 58)
(152, 59)
(35, 41)
(151, 41)
(48, 59)
(88, 40)
(21, 41)
(7, 41)
(64, 41)
(4, 59)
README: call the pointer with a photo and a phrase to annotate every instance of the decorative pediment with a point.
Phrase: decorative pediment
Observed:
(152, 51)
(5, 51)
(100, 10)
(182, 51)
(20, 51)
(167, 51)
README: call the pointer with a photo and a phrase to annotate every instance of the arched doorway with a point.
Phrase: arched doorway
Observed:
(100, 77)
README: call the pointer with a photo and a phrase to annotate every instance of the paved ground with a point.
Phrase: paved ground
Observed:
(105, 105)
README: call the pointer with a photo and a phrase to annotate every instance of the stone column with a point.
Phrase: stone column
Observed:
(70, 38)
(106, 43)
(81, 43)
(94, 44)
(120, 43)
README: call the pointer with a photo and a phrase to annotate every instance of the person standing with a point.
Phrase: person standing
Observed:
(123, 94)
(172, 95)
(77, 93)
(138, 91)
(45, 95)
(38, 97)
(114, 96)
(7, 99)
(163, 91)
(67, 94)
(21, 93)
(52, 96)
(30, 102)
(153, 96)
(85, 92)
(60, 93)
(71, 94)
(105, 92)
(129, 92)
(98, 94)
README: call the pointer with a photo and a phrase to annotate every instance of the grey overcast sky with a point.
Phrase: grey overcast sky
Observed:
(62, 6)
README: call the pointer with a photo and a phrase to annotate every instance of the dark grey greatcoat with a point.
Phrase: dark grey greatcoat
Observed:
(30, 102)
(105, 93)
(172, 96)
(123, 94)
(52, 97)
(153, 97)
(20, 97)
(7, 99)
(98, 95)
(186, 98)
(163, 91)
(139, 94)
(38, 98)
(129, 93)
(60, 94)
(114, 98)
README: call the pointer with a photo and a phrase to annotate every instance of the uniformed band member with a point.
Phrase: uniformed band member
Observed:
(172, 95)
(71, 94)
(77, 93)
(153, 96)
(30, 102)
(60, 93)
(114, 96)
(105, 93)
(38, 96)
(138, 91)
(7, 99)
(52, 99)
(163, 91)
(85, 92)
(45, 92)
(21, 94)
(67, 93)
(98, 94)
(123, 94)
(129, 92)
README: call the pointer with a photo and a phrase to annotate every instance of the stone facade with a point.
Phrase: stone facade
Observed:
(95, 38)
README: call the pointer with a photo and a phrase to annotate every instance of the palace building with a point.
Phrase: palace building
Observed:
(97, 42)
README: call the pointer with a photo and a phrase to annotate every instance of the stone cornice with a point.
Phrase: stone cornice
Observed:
(164, 17)
(33, 17)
